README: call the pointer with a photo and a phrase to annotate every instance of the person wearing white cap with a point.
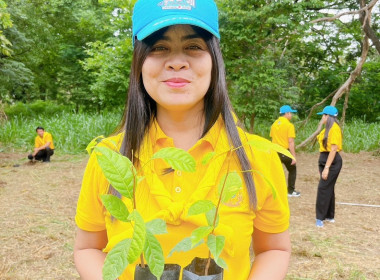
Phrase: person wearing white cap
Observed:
(283, 133)
(178, 98)
(329, 163)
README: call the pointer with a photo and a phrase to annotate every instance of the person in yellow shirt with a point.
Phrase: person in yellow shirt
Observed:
(283, 133)
(329, 163)
(43, 146)
(178, 98)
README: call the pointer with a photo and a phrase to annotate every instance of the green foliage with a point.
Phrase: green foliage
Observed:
(216, 245)
(116, 207)
(177, 158)
(79, 53)
(5, 22)
(121, 174)
(152, 250)
(365, 94)
(116, 262)
(36, 108)
(200, 207)
(118, 170)
(229, 185)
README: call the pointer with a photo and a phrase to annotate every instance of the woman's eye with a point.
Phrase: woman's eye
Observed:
(158, 49)
(194, 47)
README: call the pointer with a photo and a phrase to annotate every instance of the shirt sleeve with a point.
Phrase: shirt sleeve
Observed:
(90, 210)
(272, 213)
(49, 138)
(335, 136)
(292, 131)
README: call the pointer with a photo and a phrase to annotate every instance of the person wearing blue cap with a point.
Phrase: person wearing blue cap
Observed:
(178, 98)
(330, 164)
(283, 133)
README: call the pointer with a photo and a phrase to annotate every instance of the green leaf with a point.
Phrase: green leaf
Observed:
(274, 192)
(154, 255)
(230, 186)
(115, 206)
(206, 159)
(210, 216)
(156, 226)
(92, 144)
(221, 263)
(117, 169)
(200, 207)
(116, 261)
(138, 238)
(267, 146)
(199, 233)
(178, 159)
(216, 245)
(184, 245)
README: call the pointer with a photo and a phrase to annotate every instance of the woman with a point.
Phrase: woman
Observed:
(330, 163)
(178, 98)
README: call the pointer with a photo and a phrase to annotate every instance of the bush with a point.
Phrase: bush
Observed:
(37, 108)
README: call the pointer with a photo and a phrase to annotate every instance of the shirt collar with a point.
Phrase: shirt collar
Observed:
(283, 119)
(157, 135)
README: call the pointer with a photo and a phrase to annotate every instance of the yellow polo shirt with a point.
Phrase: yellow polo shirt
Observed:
(334, 138)
(40, 141)
(281, 130)
(169, 197)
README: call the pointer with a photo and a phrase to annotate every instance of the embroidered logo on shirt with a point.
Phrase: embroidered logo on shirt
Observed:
(235, 201)
(177, 4)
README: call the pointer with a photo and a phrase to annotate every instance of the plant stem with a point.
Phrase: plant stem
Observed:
(134, 185)
(217, 211)
(142, 260)
(208, 263)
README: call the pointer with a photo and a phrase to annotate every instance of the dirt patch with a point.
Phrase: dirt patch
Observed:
(37, 206)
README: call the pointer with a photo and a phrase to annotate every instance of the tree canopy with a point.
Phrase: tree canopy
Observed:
(78, 53)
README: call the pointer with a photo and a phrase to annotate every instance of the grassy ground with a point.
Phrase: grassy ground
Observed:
(37, 208)
(72, 132)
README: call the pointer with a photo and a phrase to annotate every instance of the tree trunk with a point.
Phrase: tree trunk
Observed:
(345, 88)
(366, 24)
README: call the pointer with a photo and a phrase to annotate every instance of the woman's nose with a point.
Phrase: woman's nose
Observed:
(176, 62)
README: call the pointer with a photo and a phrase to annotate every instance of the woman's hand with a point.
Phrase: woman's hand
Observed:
(325, 173)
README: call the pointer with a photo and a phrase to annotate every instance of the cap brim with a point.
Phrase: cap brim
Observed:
(320, 113)
(293, 111)
(172, 20)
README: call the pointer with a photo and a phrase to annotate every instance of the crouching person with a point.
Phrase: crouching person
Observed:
(43, 146)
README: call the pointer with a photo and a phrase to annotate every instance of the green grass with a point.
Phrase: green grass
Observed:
(72, 132)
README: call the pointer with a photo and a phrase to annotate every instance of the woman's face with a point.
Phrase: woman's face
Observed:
(177, 71)
(324, 118)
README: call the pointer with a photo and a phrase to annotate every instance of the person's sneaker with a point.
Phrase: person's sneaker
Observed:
(294, 194)
(330, 220)
(319, 223)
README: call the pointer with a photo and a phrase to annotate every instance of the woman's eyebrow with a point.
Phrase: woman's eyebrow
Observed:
(183, 38)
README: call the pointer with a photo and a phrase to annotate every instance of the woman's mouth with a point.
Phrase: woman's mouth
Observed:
(176, 82)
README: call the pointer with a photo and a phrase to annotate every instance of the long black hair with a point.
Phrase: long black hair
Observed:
(141, 109)
(329, 123)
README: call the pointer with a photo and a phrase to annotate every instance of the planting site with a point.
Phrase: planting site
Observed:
(38, 201)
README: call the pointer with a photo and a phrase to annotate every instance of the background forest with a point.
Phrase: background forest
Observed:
(75, 55)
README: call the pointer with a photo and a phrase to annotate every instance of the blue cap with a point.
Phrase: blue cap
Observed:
(286, 109)
(150, 16)
(329, 110)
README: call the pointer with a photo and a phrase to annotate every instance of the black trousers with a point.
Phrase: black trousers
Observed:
(43, 155)
(292, 169)
(325, 205)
